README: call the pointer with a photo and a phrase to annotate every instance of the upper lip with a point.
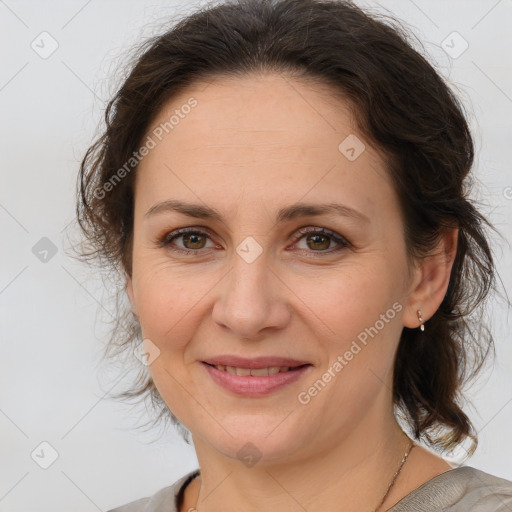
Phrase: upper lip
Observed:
(254, 362)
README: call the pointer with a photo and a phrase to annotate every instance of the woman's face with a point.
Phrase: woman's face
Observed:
(248, 283)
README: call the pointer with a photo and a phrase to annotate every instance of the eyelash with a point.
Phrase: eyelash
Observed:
(165, 240)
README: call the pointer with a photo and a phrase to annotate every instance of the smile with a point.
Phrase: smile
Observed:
(254, 382)
(255, 372)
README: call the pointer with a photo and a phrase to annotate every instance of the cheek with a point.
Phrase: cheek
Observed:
(347, 300)
(170, 301)
(360, 318)
(169, 312)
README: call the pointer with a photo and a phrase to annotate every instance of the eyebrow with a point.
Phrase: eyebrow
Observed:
(287, 213)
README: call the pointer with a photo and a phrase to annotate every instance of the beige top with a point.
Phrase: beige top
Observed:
(462, 489)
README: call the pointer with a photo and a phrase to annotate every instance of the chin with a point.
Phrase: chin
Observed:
(259, 440)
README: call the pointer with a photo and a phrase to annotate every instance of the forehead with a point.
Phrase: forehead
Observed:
(258, 108)
(260, 135)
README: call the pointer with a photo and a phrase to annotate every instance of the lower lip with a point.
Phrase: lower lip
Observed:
(251, 386)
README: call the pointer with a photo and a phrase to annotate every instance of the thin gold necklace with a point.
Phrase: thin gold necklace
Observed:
(402, 462)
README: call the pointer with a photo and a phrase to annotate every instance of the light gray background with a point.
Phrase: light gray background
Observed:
(50, 388)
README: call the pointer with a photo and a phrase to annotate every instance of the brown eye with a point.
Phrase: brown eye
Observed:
(319, 240)
(193, 241)
(316, 241)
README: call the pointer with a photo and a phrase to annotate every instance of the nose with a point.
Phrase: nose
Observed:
(252, 300)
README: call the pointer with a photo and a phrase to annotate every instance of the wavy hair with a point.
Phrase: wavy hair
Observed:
(404, 108)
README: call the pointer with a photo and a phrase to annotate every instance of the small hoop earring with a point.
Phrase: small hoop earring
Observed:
(422, 327)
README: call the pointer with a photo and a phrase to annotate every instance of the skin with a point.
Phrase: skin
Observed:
(251, 146)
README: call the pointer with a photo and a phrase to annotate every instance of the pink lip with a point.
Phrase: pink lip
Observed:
(254, 362)
(254, 386)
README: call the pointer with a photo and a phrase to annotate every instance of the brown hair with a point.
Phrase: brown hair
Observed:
(402, 106)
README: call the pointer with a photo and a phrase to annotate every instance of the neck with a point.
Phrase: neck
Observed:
(349, 476)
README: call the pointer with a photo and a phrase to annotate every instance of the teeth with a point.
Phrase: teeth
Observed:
(259, 372)
(256, 372)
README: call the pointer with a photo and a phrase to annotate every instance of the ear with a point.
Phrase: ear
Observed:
(431, 280)
(129, 290)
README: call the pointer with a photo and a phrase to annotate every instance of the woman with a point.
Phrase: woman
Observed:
(284, 187)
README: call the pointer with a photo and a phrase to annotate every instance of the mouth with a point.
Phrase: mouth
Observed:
(258, 380)
(256, 372)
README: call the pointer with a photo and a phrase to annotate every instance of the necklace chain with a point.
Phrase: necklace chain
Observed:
(397, 472)
(402, 462)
